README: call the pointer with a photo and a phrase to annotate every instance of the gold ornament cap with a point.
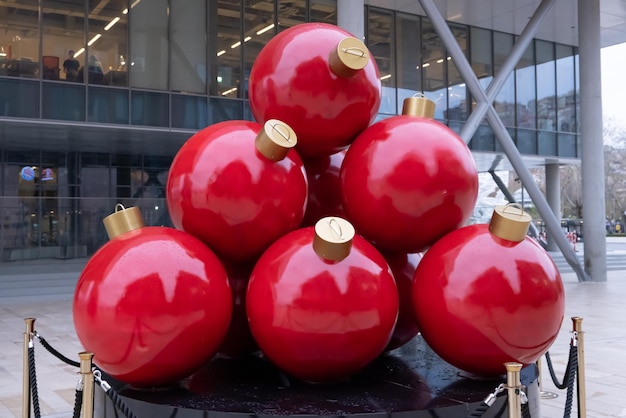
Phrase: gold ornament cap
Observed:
(333, 238)
(510, 222)
(275, 140)
(123, 220)
(350, 56)
(418, 106)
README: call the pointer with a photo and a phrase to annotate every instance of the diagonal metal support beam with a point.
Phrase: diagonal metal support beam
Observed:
(520, 46)
(553, 225)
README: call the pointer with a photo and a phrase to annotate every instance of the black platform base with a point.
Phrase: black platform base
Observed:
(408, 382)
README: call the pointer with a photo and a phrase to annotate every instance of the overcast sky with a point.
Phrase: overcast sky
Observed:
(614, 82)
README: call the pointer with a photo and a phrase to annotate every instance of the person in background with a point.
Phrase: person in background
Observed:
(70, 67)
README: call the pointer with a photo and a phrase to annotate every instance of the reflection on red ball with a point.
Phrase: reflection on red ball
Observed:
(406, 182)
(403, 268)
(481, 301)
(153, 305)
(318, 320)
(291, 81)
(324, 188)
(223, 191)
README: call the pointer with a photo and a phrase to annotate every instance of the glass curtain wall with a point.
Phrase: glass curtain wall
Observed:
(380, 42)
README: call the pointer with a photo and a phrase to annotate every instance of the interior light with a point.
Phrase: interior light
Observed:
(222, 52)
(80, 51)
(418, 67)
(449, 58)
(235, 45)
(227, 92)
(426, 65)
(265, 29)
(136, 2)
(94, 39)
(125, 11)
(385, 77)
(112, 23)
(247, 38)
(219, 79)
(439, 61)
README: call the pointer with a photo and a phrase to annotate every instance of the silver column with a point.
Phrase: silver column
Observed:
(592, 155)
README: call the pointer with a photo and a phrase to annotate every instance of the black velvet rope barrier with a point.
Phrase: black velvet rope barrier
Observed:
(32, 376)
(568, 378)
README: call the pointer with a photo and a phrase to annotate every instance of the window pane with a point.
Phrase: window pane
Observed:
(259, 16)
(505, 100)
(63, 101)
(567, 145)
(323, 11)
(149, 44)
(547, 143)
(106, 50)
(189, 49)
(527, 141)
(525, 90)
(223, 109)
(457, 92)
(19, 98)
(226, 17)
(108, 105)
(481, 58)
(290, 13)
(433, 69)
(63, 35)
(408, 57)
(149, 109)
(19, 38)
(546, 86)
(565, 88)
(483, 139)
(380, 43)
(189, 112)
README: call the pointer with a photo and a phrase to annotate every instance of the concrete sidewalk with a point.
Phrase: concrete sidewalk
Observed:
(601, 305)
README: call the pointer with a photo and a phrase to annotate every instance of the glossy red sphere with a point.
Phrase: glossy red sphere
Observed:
(239, 341)
(291, 80)
(324, 188)
(406, 182)
(318, 320)
(223, 191)
(153, 305)
(403, 268)
(481, 301)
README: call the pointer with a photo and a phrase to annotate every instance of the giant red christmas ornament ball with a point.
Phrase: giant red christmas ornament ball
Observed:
(403, 268)
(487, 294)
(238, 186)
(407, 181)
(324, 188)
(153, 305)
(322, 302)
(321, 81)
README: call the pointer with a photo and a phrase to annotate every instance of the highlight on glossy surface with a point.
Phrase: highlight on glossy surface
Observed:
(317, 320)
(414, 176)
(481, 301)
(153, 305)
(223, 191)
(291, 80)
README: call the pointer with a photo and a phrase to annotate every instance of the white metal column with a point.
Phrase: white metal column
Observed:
(553, 225)
(351, 17)
(592, 155)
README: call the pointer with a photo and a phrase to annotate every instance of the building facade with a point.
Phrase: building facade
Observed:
(96, 97)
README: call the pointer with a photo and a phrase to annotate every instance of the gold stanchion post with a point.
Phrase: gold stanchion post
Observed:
(580, 371)
(88, 383)
(513, 385)
(28, 341)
